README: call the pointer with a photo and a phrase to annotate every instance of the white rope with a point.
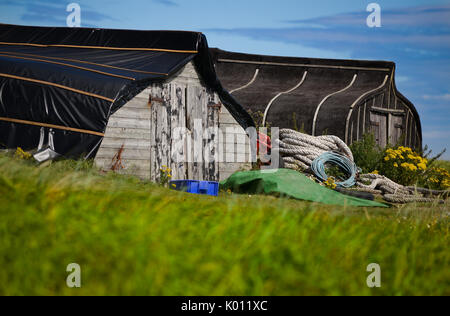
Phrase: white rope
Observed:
(316, 114)
(248, 84)
(280, 94)
(299, 150)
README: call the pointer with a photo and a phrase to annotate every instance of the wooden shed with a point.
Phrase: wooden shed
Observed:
(146, 130)
(134, 101)
(346, 98)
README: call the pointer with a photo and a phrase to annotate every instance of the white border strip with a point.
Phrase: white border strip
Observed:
(357, 101)
(248, 84)
(299, 65)
(279, 95)
(326, 98)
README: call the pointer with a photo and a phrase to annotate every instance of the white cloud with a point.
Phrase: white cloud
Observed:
(439, 97)
(402, 79)
(237, 43)
(437, 134)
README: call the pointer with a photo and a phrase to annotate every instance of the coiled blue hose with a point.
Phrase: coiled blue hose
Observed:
(349, 167)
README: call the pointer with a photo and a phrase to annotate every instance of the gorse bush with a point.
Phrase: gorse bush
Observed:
(436, 178)
(401, 164)
(367, 154)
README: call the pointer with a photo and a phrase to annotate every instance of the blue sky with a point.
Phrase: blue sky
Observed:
(414, 33)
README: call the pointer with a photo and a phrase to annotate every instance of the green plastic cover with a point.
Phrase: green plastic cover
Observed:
(290, 183)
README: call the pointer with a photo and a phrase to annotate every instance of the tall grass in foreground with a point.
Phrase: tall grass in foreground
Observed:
(132, 238)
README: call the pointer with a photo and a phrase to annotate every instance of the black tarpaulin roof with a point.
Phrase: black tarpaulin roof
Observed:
(72, 79)
(310, 94)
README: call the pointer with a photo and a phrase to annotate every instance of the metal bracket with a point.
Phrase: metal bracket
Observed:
(216, 106)
(152, 99)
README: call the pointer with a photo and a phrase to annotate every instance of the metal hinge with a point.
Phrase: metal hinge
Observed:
(216, 106)
(152, 99)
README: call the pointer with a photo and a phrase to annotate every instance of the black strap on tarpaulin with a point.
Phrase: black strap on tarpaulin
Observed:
(73, 79)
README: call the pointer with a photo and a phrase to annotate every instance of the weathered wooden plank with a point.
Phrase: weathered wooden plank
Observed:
(227, 128)
(128, 133)
(233, 147)
(133, 154)
(116, 142)
(396, 128)
(212, 139)
(364, 119)
(154, 173)
(167, 126)
(379, 128)
(358, 123)
(178, 121)
(237, 140)
(226, 118)
(139, 102)
(234, 138)
(407, 128)
(133, 113)
(233, 167)
(195, 125)
(128, 123)
(161, 121)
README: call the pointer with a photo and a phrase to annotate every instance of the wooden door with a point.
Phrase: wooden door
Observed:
(378, 127)
(395, 128)
(184, 132)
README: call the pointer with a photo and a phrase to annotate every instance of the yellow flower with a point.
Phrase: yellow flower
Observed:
(422, 166)
(387, 158)
(20, 153)
(375, 172)
(330, 183)
(434, 180)
(396, 165)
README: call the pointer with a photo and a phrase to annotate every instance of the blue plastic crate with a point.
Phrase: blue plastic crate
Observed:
(196, 187)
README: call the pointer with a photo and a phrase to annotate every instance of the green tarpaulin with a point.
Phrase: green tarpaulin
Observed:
(290, 183)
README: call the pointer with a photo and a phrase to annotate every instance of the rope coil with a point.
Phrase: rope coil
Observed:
(312, 154)
(347, 166)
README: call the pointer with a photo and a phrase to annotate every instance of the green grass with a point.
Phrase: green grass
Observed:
(135, 238)
(445, 164)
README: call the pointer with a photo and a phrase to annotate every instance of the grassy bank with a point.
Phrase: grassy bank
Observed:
(137, 238)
